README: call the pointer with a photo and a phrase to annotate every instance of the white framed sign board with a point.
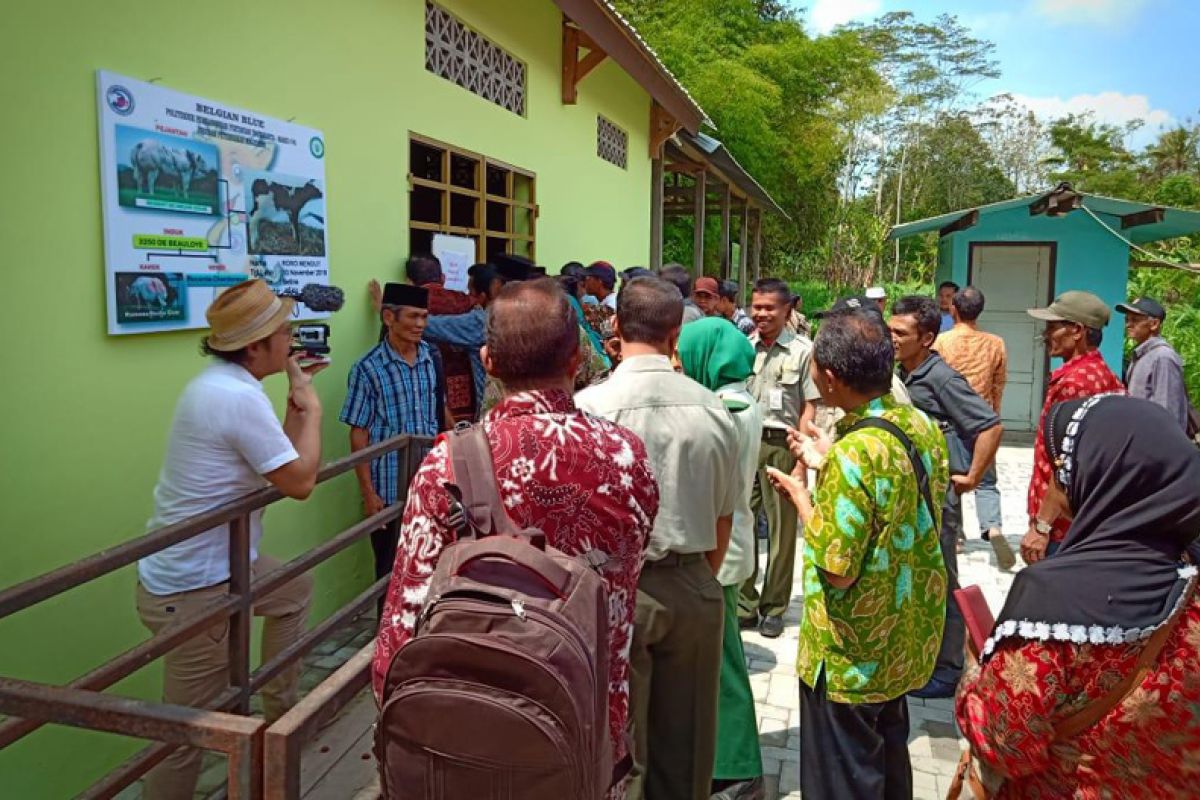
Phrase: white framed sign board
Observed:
(199, 196)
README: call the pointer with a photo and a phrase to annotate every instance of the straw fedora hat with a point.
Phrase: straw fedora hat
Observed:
(246, 313)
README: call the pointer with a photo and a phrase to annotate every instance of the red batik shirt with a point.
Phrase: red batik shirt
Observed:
(456, 364)
(1147, 747)
(583, 481)
(1082, 376)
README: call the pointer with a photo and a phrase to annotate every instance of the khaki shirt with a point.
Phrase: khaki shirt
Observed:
(692, 442)
(782, 382)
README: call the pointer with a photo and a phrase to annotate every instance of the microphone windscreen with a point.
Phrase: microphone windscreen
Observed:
(322, 298)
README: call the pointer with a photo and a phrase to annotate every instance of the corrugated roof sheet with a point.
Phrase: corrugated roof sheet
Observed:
(658, 61)
(1175, 222)
(720, 157)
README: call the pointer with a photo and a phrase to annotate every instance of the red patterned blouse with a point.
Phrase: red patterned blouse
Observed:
(584, 481)
(1082, 376)
(1148, 747)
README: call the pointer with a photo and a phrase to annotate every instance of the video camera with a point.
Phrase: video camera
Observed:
(312, 339)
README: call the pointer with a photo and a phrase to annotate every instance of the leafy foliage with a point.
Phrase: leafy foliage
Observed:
(876, 124)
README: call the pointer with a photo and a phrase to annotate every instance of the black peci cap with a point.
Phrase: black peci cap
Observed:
(405, 294)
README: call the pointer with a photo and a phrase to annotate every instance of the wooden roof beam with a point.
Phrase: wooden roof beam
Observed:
(1150, 216)
(968, 220)
(662, 127)
(574, 68)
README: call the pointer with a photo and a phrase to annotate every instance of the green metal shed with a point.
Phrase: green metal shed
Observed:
(1021, 253)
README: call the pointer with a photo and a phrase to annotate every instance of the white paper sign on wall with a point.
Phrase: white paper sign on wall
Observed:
(456, 254)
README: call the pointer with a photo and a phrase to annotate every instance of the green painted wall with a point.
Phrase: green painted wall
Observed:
(85, 415)
(1089, 258)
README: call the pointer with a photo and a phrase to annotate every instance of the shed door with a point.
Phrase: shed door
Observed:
(1013, 279)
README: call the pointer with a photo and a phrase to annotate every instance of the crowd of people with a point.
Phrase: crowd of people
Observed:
(649, 416)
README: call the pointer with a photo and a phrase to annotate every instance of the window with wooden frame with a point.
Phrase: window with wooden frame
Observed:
(460, 193)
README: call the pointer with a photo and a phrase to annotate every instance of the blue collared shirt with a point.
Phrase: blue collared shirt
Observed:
(388, 396)
(468, 331)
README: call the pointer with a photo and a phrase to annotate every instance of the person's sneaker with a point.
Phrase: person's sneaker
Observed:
(746, 623)
(1004, 553)
(935, 688)
(771, 627)
(742, 790)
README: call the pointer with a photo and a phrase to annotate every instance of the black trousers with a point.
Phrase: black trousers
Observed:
(853, 751)
(949, 665)
(383, 544)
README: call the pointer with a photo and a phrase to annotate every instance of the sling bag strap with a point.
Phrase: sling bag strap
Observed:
(1094, 711)
(918, 465)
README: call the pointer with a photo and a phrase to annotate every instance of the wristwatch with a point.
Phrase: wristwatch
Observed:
(1042, 527)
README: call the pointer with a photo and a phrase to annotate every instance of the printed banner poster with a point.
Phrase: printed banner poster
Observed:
(199, 196)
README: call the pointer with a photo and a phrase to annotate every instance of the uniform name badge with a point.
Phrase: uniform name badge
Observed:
(775, 400)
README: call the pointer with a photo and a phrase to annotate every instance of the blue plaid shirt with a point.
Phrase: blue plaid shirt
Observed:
(387, 396)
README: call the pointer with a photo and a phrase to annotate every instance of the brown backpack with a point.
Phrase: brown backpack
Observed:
(503, 690)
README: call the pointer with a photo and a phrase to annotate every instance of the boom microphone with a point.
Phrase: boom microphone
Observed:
(317, 297)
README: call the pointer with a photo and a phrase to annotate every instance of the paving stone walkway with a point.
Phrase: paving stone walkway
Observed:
(934, 743)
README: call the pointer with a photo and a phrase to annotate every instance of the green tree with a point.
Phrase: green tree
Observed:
(1093, 157)
(1177, 152)
(780, 101)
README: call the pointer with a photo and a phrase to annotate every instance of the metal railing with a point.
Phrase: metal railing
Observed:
(223, 726)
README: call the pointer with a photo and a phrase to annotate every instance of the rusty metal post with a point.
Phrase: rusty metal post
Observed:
(286, 736)
(240, 622)
(245, 769)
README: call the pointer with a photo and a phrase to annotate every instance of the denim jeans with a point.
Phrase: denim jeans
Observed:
(987, 502)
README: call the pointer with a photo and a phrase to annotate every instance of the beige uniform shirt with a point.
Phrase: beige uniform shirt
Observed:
(782, 382)
(692, 443)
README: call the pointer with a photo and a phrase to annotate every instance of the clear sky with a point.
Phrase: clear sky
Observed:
(1121, 59)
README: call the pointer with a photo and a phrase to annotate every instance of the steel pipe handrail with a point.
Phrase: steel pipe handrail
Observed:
(81, 704)
(35, 590)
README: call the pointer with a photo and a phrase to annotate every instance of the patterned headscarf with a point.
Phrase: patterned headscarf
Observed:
(1130, 477)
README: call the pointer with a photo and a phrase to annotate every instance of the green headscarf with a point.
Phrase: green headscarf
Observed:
(714, 353)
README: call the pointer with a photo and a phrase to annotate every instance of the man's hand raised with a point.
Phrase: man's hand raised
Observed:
(302, 395)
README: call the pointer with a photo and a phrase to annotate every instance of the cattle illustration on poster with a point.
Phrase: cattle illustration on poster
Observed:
(199, 196)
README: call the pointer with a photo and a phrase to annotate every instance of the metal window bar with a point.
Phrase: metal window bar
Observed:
(81, 702)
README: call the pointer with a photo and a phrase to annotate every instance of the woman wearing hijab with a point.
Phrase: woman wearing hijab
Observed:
(571, 279)
(1090, 683)
(714, 353)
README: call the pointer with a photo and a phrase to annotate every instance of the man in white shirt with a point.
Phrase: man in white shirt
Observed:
(692, 444)
(226, 442)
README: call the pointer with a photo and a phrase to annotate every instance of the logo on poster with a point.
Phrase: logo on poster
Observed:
(120, 100)
(316, 147)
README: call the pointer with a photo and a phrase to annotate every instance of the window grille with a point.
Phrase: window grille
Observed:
(612, 143)
(455, 52)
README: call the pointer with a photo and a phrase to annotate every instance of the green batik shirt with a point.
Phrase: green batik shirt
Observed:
(879, 638)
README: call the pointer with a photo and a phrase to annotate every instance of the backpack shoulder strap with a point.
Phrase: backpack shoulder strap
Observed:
(918, 465)
(474, 485)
